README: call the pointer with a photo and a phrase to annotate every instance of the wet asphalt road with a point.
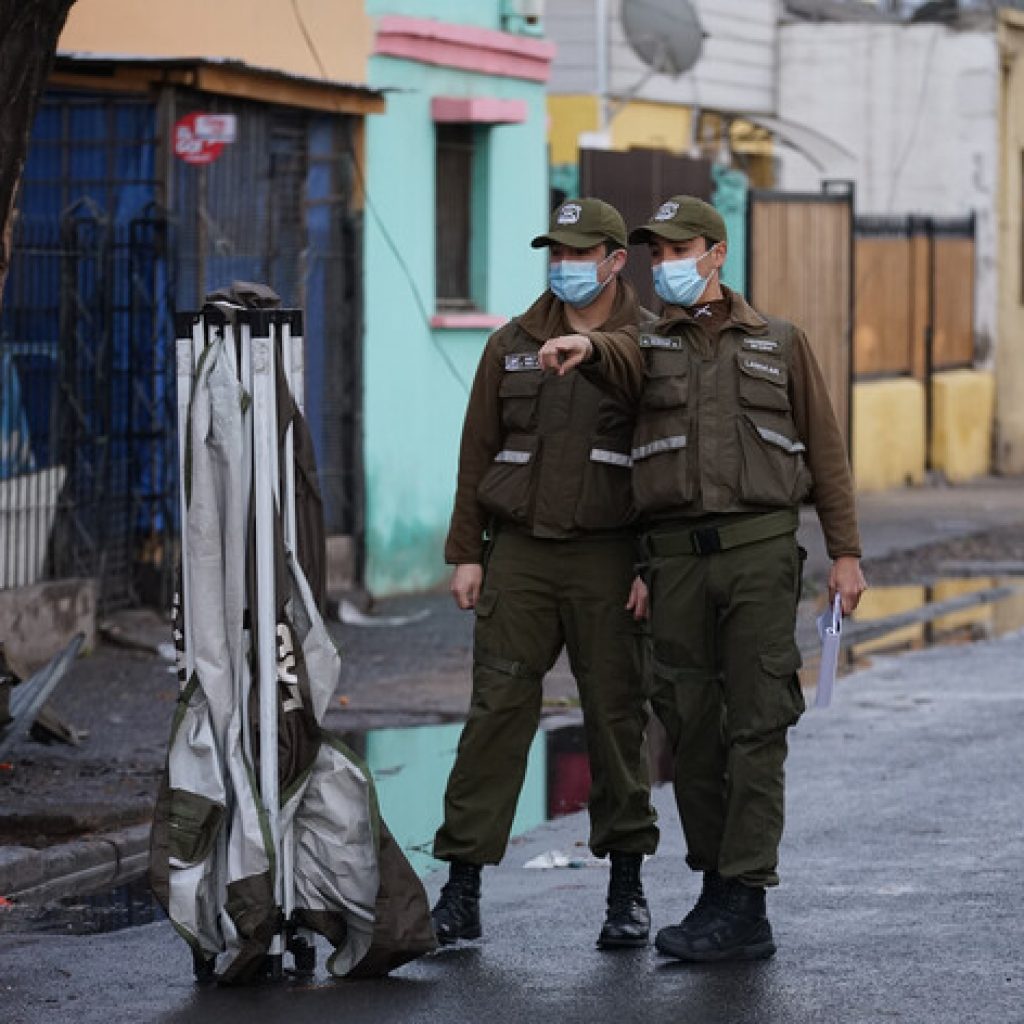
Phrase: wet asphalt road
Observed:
(901, 901)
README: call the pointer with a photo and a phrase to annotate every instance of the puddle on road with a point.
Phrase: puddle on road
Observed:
(978, 622)
(129, 904)
(410, 767)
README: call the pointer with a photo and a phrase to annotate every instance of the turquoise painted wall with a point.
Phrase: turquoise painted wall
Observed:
(482, 13)
(730, 199)
(416, 379)
(410, 769)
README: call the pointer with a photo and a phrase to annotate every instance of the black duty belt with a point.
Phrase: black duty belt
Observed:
(709, 540)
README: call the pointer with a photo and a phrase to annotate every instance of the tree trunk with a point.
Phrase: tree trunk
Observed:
(29, 30)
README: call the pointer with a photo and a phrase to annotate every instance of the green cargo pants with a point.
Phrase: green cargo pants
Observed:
(538, 596)
(726, 690)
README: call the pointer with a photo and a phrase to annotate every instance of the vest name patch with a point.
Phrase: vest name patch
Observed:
(517, 361)
(660, 341)
(761, 344)
(760, 366)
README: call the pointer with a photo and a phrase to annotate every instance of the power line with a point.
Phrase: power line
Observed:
(418, 299)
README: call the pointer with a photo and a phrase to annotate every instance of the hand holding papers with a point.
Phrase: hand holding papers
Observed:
(830, 629)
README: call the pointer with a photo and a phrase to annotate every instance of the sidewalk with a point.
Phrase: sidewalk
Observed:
(901, 896)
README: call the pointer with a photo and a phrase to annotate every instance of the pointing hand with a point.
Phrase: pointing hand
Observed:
(565, 353)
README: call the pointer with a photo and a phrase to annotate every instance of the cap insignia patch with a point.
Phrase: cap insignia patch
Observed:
(570, 213)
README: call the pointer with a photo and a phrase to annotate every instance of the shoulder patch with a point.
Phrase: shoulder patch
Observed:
(660, 341)
(761, 344)
(518, 361)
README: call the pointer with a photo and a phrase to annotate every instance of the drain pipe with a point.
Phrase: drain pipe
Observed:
(601, 63)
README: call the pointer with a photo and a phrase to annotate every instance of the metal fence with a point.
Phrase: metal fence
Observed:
(86, 451)
(87, 467)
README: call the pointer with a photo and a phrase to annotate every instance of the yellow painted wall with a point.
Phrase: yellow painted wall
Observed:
(888, 434)
(963, 402)
(568, 116)
(652, 126)
(264, 34)
(1009, 446)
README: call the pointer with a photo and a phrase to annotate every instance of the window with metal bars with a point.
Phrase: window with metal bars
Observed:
(456, 144)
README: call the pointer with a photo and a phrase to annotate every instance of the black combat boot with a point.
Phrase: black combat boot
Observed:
(710, 890)
(734, 927)
(457, 913)
(628, 921)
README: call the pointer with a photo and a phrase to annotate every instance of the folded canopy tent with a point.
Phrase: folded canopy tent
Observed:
(252, 854)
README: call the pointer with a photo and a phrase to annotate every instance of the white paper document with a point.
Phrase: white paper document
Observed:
(830, 630)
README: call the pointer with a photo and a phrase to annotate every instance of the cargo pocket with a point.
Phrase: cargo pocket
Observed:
(781, 700)
(606, 498)
(519, 393)
(772, 467)
(762, 382)
(505, 488)
(666, 381)
(193, 822)
(663, 473)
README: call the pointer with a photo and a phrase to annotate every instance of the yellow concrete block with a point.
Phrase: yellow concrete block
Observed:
(882, 602)
(963, 405)
(568, 116)
(946, 590)
(1008, 614)
(888, 434)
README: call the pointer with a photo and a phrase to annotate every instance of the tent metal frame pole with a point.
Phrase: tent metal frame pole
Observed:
(291, 353)
(257, 334)
(191, 337)
(282, 338)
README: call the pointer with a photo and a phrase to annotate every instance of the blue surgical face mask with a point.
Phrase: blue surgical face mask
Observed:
(575, 281)
(679, 282)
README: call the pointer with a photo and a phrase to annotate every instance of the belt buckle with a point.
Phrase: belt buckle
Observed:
(706, 541)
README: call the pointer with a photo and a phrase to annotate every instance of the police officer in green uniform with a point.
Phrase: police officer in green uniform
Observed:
(544, 552)
(734, 430)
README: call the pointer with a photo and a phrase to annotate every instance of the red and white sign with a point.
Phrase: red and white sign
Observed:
(201, 138)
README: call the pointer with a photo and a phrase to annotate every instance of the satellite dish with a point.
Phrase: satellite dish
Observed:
(665, 34)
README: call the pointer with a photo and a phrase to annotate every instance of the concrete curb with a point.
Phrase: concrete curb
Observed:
(25, 871)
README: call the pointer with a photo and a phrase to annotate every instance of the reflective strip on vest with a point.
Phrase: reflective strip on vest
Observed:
(774, 437)
(661, 444)
(518, 458)
(612, 458)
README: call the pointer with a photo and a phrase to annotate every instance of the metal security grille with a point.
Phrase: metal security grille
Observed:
(87, 467)
(87, 475)
(276, 207)
(454, 204)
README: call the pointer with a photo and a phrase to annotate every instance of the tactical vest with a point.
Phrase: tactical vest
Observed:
(564, 461)
(715, 430)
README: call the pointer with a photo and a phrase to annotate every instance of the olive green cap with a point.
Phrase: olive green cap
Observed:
(582, 223)
(681, 218)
